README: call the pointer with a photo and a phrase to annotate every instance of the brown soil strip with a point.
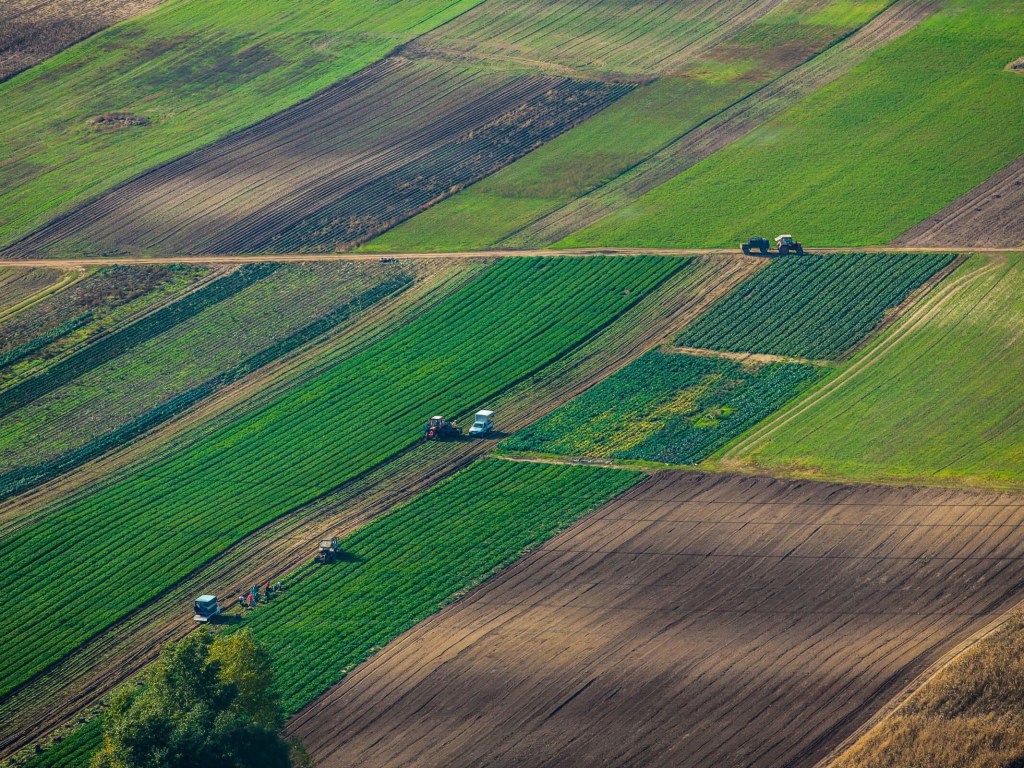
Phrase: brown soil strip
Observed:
(715, 619)
(333, 171)
(33, 30)
(989, 216)
(728, 126)
(748, 358)
(83, 678)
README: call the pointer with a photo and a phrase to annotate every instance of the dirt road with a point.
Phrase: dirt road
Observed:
(712, 619)
(79, 263)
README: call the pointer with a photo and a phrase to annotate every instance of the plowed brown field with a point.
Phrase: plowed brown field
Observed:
(32, 30)
(988, 216)
(699, 620)
(335, 170)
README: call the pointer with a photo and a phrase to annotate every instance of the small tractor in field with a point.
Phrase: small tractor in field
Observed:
(784, 243)
(483, 423)
(328, 551)
(440, 429)
(205, 608)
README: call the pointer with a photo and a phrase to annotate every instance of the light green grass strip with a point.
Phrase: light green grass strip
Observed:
(859, 162)
(945, 404)
(198, 70)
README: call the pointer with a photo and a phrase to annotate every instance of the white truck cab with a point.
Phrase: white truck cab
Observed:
(483, 423)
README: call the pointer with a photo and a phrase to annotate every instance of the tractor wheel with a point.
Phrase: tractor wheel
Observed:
(799, 250)
(783, 250)
(746, 249)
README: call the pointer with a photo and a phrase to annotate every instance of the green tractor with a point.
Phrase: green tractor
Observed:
(784, 243)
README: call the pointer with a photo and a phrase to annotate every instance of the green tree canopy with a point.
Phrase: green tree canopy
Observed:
(206, 702)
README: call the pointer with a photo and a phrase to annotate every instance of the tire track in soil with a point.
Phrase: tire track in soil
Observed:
(987, 216)
(335, 170)
(699, 641)
(727, 126)
(82, 679)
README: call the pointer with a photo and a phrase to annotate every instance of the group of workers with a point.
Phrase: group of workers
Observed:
(252, 597)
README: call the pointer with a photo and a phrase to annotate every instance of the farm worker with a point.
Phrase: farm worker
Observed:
(255, 592)
(241, 601)
(266, 589)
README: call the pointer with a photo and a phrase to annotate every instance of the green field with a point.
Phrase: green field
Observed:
(401, 568)
(671, 408)
(196, 71)
(811, 306)
(79, 409)
(49, 330)
(939, 398)
(517, 317)
(862, 160)
(631, 130)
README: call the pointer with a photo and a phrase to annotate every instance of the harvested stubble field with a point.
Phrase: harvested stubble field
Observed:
(333, 171)
(82, 677)
(18, 287)
(716, 620)
(706, 57)
(32, 30)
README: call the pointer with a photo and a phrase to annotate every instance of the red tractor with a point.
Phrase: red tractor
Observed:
(439, 429)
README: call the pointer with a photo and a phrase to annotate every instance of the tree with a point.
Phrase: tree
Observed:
(205, 703)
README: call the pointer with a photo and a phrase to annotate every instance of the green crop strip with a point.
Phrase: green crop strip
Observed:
(405, 566)
(398, 570)
(136, 537)
(671, 408)
(34, 345)
(18, 480)
(893, 141)
(938, 398)
(196, 71)
(811, 306)
(119, 342)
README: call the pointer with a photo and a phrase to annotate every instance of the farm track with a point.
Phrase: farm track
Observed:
(499, 253)
(988, 215)
(709, 616)
(335, 170)
(81, 679)
(727, 126)
(34, 30)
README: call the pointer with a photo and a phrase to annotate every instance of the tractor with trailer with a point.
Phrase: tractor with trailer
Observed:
(483, 423)
(785, 244)
(328, 551)
(438, 428)
(205, 608)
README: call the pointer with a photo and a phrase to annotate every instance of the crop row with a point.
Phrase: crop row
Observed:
(18, 480)
(811, 306)
(125, 543)
(406, 565)
(672, 408)
(109, 295)
(118, 342)
(33, 345)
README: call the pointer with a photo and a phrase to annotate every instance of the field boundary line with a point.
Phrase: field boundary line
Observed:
(747, 358)
(910, 322)
(908, 691)
(72, 276)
